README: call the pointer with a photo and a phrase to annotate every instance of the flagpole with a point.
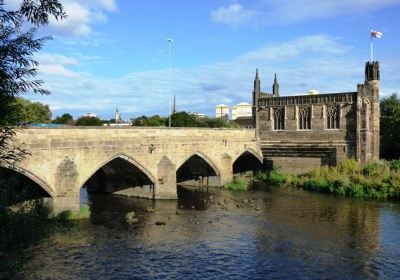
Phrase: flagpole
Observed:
(372, 46)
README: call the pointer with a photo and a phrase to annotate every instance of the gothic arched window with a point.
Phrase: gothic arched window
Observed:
(304, 118)
(332, 117)
(279, 118)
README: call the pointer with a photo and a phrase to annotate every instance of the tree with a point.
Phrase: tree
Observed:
(32, 112)
(390, 127)
(17, 63)
(18, 44)
(183, 119)
(88, 121)
(64, 119)
(155, 120)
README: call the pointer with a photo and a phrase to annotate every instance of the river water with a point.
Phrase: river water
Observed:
(279, 234)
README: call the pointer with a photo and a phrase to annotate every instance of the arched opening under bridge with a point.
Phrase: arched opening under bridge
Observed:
(19, 187)
(193, 178)
(123, 176)
(247, 164)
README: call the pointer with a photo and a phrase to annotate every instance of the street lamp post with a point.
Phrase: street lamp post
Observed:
(169, 40)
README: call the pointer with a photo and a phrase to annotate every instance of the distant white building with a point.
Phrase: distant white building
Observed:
(221, 110)
(313, 92)
(242, 109)
(91, 115)
(199, 115)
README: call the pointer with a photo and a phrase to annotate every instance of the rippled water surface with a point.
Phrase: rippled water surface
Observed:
(285, 234)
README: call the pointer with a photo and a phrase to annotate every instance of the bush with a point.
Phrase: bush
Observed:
(237, 185)
(374, 179)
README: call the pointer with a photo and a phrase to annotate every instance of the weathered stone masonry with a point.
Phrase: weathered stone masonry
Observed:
(300, 132)
(63, 159)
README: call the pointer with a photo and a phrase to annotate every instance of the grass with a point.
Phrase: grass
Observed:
(379, 179)
(238, 184)
(68, 215)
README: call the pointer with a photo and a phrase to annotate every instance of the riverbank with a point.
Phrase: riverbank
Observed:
(379, 180)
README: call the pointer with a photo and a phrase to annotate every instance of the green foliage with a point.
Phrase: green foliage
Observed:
(69, 215)
(183, 119)
(374, 179)
(64, 119)
(390, 127)
(88, 121)
(155, 120)
(32, 112)
(238, 184)
(395, 164)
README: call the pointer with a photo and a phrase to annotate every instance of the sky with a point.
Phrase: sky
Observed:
(112, 54)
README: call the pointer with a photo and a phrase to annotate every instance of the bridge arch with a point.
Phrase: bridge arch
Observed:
(251, 151)
(25, 172)
(133, 162)
(196, 167)
(248, 160)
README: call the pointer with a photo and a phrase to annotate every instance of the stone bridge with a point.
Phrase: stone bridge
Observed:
(143, 162)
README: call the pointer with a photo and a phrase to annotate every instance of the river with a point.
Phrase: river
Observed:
(278, 234)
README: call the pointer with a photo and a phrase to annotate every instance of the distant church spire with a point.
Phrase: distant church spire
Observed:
(257, 87)
(275, 87)
(118, 118)
(174, 109)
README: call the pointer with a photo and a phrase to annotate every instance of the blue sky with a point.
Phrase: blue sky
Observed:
(111, 53)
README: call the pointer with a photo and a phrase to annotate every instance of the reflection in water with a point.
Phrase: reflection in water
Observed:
(268, 233)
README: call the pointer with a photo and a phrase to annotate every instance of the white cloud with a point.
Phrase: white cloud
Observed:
(81, 16)
(318, 61)
(272, 12)
(48, 58)
(234, 15)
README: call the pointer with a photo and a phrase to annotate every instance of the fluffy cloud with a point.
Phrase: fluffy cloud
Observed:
(269, 12)
(82, 14)
(234, 15)
(309, 62)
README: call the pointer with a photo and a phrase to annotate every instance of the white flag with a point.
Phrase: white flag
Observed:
(376, 34)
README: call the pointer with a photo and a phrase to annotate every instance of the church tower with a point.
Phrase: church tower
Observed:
(368, 114)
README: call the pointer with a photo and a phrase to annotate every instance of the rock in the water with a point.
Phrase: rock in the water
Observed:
(129, 215)
(160, 223)
(177, 213)
(132, 221)
(149, 209)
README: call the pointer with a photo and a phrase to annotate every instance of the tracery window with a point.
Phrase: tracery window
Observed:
(332, 117)
(304, 118)
(279, 118)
